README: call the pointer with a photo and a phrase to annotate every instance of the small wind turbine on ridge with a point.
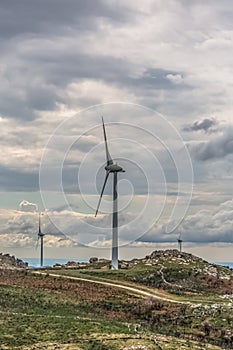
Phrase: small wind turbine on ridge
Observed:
(180, 241)
(41, 238)
(114, 168)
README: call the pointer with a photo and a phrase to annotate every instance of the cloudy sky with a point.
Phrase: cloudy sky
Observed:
(160, 73)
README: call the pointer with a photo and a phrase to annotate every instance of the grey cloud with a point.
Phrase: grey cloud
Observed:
(71, 65)
(41, 77)
(218, 147)
(48, 40)
(52, 16)
(16, 179)
(157, 79)
(13, 105)
(210, 225)
(41, 67)
(24, 93)
(36, 66)
(62, 66)
(26, 224)
(45, 47)
(206, 226)
(42, 98)
(204, 124)
(20, 230)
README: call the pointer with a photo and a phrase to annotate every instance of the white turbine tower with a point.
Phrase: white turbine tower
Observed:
(180, 241)
(112, 167)
(41, 238)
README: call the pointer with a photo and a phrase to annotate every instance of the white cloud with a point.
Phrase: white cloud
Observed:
(27, 206)
(69, 229)
(213, 225)
(16, 240)
(205, 226)
(175, 78)
(51, 241)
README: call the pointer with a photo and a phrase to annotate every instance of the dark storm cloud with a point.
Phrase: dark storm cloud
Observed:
(205, 125)
(218, 147)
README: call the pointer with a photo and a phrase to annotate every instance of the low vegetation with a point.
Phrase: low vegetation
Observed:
(46, 312)
(170, 270)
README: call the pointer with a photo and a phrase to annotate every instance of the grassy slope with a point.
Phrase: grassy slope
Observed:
(177, 273)
(42, 318)
(176, 278)
(45, 310)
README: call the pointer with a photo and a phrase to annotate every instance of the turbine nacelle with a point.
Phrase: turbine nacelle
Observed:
(112, 168)
(40, 233)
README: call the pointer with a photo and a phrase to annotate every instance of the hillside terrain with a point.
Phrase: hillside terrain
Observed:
(54, 312)
(179, 273)
(8, 261)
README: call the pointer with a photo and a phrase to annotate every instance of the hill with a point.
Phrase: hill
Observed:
(175, 272)
(8, 261)
(181, 272)
(81, 307)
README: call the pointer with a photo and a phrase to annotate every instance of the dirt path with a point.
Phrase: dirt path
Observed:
(114, 284)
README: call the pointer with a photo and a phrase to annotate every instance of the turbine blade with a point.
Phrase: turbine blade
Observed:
(39, 224)
(37, 243)
(101, 195)
(108, 157)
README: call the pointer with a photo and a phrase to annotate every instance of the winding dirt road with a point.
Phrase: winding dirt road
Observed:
(114, 284)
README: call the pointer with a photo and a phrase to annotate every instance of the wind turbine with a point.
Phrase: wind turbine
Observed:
(41, 237)
(114, 168)
(180, 241)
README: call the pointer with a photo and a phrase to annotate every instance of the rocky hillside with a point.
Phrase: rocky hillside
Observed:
(179, 272)
(171, 270)
(8, 261)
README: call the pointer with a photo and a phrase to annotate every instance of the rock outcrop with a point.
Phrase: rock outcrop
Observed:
(8, 261)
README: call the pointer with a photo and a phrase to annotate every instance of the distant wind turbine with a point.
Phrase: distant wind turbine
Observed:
(180, 241)
(41, 238)
(111, 167)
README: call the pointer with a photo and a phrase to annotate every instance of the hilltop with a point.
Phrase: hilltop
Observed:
(8, 261)
(171, 270)
(179, 272)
